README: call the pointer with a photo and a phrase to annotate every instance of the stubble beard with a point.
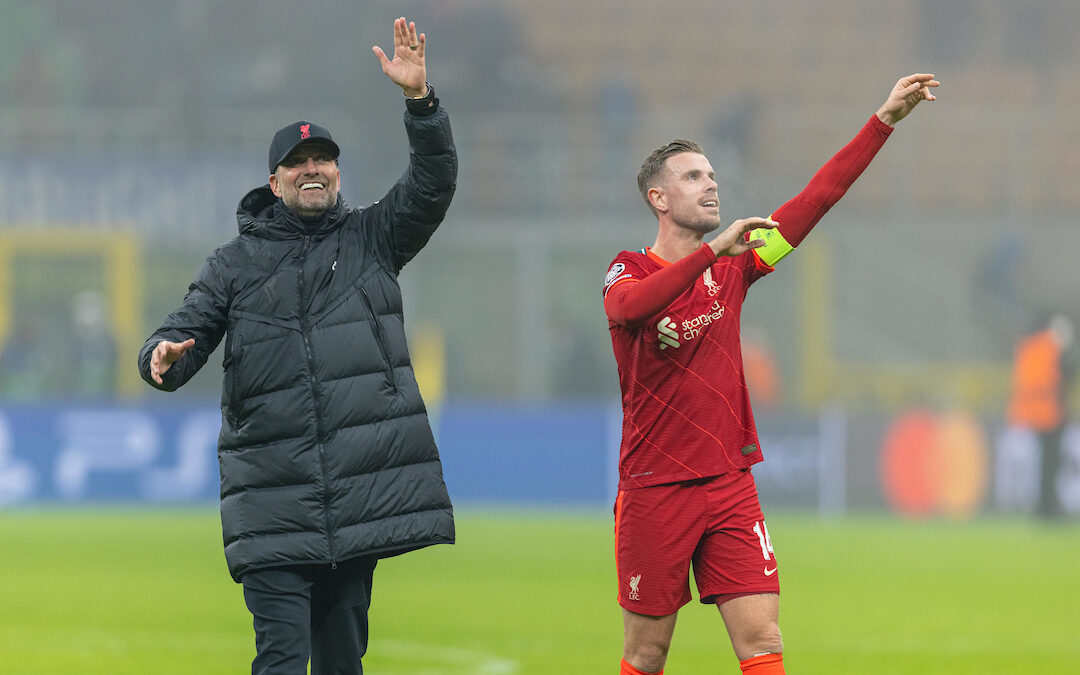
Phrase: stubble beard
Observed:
(700, 224)
(314, 207)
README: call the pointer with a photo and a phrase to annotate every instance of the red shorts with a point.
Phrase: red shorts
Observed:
(715, 523)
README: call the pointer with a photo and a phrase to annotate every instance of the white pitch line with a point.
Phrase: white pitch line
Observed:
(451, 660)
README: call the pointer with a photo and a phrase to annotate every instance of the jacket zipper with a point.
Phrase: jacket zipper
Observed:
(380, 340)
(304, 331)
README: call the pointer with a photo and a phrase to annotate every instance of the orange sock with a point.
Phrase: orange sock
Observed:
(627, 669)
(763, 664)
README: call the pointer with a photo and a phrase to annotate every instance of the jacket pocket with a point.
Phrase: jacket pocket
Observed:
(231, 366)
(380, 340)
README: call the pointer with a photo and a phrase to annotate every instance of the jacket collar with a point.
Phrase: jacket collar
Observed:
(261, 213)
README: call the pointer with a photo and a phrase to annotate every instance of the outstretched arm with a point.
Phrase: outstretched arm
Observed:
(406, 217)
(180, 347)
(799, 215)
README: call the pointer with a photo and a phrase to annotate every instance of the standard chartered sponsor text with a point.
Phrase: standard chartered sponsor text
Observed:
(693, 327)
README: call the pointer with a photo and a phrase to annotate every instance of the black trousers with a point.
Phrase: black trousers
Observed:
(1050, 443)
(310, 611)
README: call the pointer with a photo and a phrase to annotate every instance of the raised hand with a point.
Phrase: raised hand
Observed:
(407, 69)
(165, 354)
(732, 241)
(907, 94)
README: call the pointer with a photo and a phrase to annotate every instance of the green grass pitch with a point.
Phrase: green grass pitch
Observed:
(529, 591)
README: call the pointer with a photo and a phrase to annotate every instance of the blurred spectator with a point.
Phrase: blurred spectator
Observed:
(732, 131)
(997, 286)
(23, 366)
(619, 107)
(759, 364)
(734, 125)
(508, 81)
(86, 366)
(579, 370)
(1037, 402)
(35, 81)
(92, 371)
(41, 71)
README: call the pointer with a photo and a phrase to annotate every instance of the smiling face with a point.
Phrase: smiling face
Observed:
(686, 195)
(308, 180)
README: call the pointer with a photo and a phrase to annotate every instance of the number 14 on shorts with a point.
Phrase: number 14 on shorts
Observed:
(762, 533)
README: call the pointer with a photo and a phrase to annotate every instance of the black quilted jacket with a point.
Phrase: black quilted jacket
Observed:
(325, 448)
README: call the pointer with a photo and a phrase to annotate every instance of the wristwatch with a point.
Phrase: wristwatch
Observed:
(422, 105)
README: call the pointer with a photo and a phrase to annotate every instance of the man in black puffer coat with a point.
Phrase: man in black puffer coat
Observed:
(327, 459)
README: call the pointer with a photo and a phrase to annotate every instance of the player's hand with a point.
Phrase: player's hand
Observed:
(907, 94)
(165, 354)
(732, 241)
(407, 69)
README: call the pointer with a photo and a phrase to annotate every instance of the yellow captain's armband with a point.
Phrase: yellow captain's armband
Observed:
(775, 248)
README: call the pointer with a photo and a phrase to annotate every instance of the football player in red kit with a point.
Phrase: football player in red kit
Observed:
(686, 495)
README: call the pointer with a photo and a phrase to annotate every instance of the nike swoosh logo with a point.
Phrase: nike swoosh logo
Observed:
(770, 572)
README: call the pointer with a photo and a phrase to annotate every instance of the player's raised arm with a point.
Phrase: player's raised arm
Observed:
(799, 215)
(908, 93)
(408, 68)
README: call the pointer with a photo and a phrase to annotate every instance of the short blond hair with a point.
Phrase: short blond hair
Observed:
(654, 165)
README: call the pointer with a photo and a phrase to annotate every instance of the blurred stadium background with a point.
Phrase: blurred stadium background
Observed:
(129, 131)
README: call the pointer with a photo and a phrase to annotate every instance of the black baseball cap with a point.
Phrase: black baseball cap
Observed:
(286, 140)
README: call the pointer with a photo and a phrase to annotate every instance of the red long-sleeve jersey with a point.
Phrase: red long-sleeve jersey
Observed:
(675, 332)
